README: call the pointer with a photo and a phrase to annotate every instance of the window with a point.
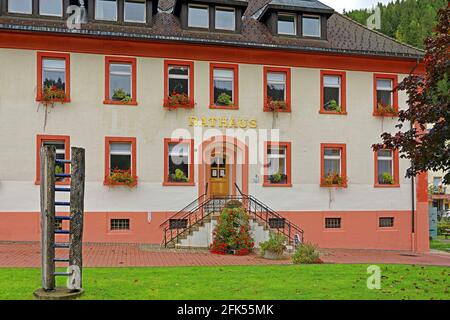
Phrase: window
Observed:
(333, 97)
(120, 224)
(333, 165)
(53, 71)
(287, 24)
(385, 95)
(333, 223)
(311, 26)
(277, 91)
(62, 146)
(437, 181)
(106, 10)
(198, 16)
(386, 222)
(277, 168)
(58, 224)
(120, 156)
(178, 164)
(225, 19)
(179, 78)
(134, 11)
(20, 6)
(120, 84)
(51, 7)
(224, 86)
(386, 168)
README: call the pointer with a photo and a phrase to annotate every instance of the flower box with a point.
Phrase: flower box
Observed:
(334, 180)
(178, 101)
(386, 111)
(121, 178)
(52, 94)
(277, 105)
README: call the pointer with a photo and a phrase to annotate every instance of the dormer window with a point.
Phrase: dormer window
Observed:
(198, 16)
(287, 24)
(51, 8)
(20, 6)
(225, 19)
(134, 11)
(106, 10)
(311, 26)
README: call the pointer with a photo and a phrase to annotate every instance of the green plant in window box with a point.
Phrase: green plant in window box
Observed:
(178, 100)
(276, 105)
(273, 248)
(333, 106)
(387, 178)
(334, 179)
(224, 100)
(121, 95)
(178, 176)
(386, 110)
(122, 178)
(278, 178)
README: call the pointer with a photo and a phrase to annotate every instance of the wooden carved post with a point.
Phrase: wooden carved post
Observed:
(48, 155)
(76, 215)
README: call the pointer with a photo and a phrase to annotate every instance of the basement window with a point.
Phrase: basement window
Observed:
(20, 6)
(51, 8)
(386, 222)
(311, 26)
(120, 224)
(106, 10)
(333, 223)
(198, 16)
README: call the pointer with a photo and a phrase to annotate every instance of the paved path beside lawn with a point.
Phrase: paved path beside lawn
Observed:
(20, 254)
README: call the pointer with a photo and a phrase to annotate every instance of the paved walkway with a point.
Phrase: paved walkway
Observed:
(101, 255)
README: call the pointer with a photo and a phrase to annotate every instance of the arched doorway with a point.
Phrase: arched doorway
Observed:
(223, 164)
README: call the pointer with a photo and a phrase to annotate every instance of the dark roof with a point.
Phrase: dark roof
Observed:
(295, 5)
(344, 35)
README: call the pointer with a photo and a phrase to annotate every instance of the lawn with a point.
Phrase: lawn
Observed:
(250, 282)
(440, 243)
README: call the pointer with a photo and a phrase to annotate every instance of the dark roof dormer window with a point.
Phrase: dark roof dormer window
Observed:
(20, 6)
(198, 16)
(106, 10)
(51, 8)
(211, 15)
(126, 12)
(311, 26)
(134, 11)
(287, 24)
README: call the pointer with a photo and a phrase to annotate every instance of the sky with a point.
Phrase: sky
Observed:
(339, 5)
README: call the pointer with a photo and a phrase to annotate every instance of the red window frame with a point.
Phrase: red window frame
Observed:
(381, 76)
(235, 69)
(167, 64)
(132, 61)
(287, 146)
(343, 148)
(287, 71)
(166, 181)
(396, 170)
(108, 141)
(343, 76)
(52, 55)
(41, 138)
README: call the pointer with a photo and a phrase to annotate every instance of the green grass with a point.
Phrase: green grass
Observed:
(250, 282)
(440, 243)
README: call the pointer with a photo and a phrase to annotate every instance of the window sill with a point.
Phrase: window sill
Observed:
(344, 186)
(387, 229)
(58, 183)
(386, 115)
(178, 184)
(343, 113)
(112, 185)
(377, 185)
(333, 230)
(67, 100)
(213, 106)
(277, 185)
(279, 111)
(131, 103)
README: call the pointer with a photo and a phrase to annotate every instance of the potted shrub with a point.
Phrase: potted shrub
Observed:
(386, 110)
(334, 179)
(333, 106)
(232, 233)
(387, 178)
(224, 100)
(178, 100)
(122, 178)
(52, 94)
(178, 176)
(273, 248)
(121, 95)
(306, 253)
(278, 178)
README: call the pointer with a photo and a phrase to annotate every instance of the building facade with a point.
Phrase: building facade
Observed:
(176, 99)
(439, 192)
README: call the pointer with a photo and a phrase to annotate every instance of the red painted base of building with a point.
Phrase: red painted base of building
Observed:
(359, 229)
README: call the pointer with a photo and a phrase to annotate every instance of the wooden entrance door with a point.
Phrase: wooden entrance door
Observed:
(219, 176)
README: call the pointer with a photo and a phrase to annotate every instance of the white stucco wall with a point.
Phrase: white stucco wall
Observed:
(87, 120)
